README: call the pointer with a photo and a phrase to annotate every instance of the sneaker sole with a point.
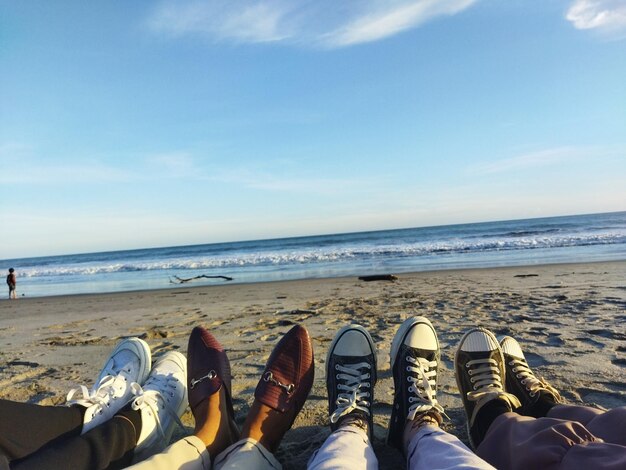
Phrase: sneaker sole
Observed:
(367, 336)
(402, 332)
(456, 377)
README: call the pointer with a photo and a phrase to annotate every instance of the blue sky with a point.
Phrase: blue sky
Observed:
(140, 124)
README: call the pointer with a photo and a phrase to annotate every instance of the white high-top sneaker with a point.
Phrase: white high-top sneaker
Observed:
(128, 364)
(161, 402)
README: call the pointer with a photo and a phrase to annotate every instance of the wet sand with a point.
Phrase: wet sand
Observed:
(570, 319)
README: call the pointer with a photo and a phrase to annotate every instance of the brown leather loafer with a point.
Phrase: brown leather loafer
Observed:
(289, 373)
(208, 370)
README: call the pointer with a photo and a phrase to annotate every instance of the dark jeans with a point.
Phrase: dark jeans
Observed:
(49, 437)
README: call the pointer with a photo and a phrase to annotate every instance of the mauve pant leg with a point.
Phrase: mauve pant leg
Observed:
(522, 442)
(610, 426)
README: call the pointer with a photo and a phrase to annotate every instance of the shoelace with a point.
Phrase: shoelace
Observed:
(351, 397)
(423, 386)
(100, 395)
(487, 384)
(152, 398)
(528, 379)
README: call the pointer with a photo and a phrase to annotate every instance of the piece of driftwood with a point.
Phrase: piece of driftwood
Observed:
(296, 311)
(526, 275)
(180, 280)
(378, 277)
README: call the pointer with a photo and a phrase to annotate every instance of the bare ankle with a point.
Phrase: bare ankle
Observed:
(265, 425)
(212, 423)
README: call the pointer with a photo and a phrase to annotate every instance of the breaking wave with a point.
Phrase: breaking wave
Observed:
(338, 252)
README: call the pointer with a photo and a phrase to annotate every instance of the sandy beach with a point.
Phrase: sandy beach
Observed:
(570, 319)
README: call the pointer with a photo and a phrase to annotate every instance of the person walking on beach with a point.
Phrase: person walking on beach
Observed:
(11, 282)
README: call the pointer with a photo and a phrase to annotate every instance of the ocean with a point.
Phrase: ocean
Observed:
(581, 238)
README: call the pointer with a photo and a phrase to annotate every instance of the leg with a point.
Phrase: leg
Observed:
(142, 428)
(610, 426)
(347, 447)
(434, 449)
(350, 380)
(129, 362)
(416, 415)
(209, 385)
(107, 446)
(247, 453)
(189, 453)
(480, 371)
(536, 396)
(160, 403)
(520, 442)
(278, 398)
(53, 422)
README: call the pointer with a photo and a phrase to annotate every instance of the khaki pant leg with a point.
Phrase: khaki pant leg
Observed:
(187, 454)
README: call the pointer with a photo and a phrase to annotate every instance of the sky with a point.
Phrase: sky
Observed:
(143, 124)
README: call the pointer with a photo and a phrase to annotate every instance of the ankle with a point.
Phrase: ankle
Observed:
(212, 423)
(265, 425)
(412, 427)
(485, 418)
(541, 407)
(356, 420)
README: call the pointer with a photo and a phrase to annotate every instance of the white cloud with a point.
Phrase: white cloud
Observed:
(547, 157)
(387, 21)
(235, 20)
(322, 23)
(603, 15)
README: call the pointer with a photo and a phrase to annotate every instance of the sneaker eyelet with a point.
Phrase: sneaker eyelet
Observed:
(337, 376)
(467, 365)
(336, 366)
(532, 394)
(471, 379)
(474, 387)
(470, 372)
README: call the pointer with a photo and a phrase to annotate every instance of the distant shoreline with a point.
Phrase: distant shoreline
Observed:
(235, 283)
(588, 238)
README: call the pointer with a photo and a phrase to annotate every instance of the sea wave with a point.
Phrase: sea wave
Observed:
(325, 254)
